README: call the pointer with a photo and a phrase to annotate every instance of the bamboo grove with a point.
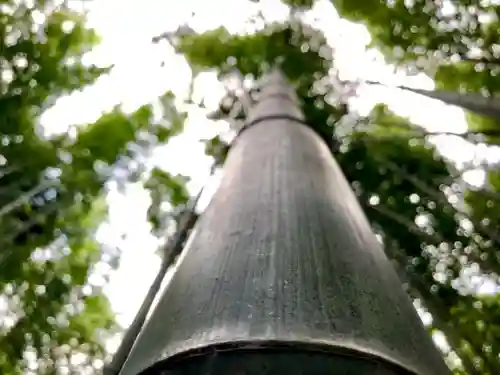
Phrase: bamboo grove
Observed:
(440, 232)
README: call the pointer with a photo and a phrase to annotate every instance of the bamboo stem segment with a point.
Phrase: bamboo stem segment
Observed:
(284, 255)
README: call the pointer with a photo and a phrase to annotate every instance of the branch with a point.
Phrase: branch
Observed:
(442, 318)
(245, 97)
(421, 185)
(8, 170)
(25, 197)
(434, 239)
(470, 136)
(440, 314)
(470, 101)
(448, 325)
(458, 174)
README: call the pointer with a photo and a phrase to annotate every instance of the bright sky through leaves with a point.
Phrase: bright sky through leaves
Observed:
(127, 27)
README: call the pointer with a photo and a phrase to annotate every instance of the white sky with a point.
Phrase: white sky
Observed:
(126, 27)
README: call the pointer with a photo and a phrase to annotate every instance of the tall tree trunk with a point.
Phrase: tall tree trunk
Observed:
(470, 101)
(282, 274)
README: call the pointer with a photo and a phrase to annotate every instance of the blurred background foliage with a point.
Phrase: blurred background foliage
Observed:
(52, 192)
(440, 230)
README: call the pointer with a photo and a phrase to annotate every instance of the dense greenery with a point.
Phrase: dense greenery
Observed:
(440, 233)
(53, 319)
(454, 42)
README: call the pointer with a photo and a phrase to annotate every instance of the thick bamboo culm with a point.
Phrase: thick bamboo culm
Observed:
(282, 274)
